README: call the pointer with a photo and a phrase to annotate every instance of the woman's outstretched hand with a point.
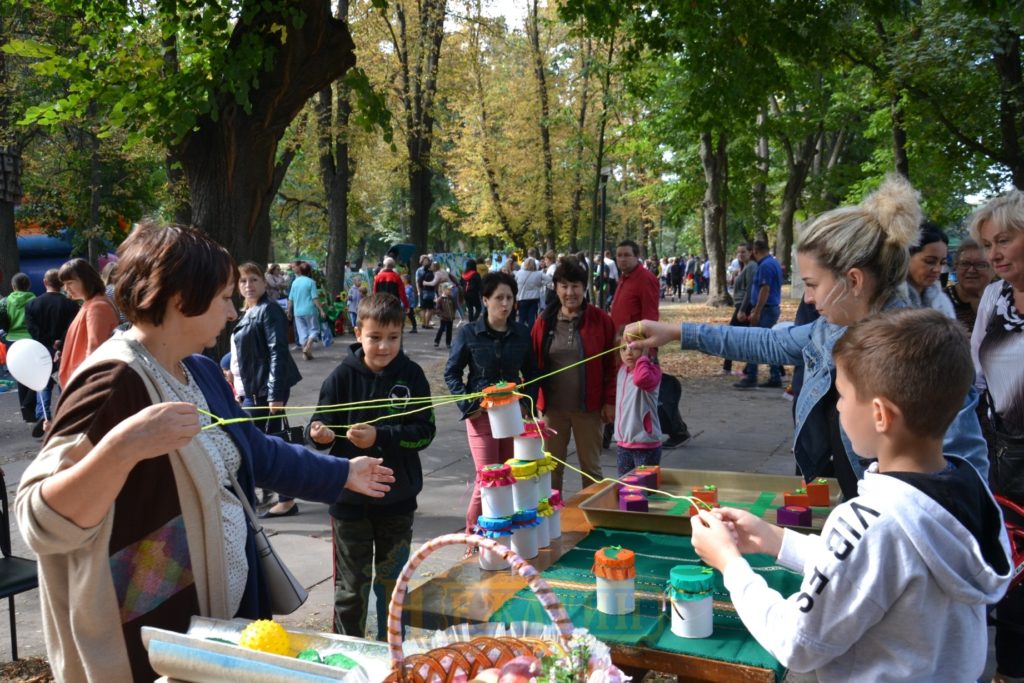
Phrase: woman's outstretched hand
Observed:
(648, 334)
(369, 477)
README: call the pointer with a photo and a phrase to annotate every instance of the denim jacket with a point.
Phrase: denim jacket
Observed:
(811, 346)
(492, 357)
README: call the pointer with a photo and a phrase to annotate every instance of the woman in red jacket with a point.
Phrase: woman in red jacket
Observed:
(580, 400)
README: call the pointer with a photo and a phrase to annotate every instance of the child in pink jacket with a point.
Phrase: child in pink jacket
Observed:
(637, 429)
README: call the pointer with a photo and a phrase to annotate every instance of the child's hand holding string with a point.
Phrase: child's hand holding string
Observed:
(320, 433)
(753, 534)
(712, 540)
(362, 435)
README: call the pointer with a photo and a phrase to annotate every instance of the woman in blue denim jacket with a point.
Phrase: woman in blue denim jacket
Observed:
(852, 261)
(495, 348)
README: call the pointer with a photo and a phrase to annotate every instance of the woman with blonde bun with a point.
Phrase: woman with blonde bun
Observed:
(853, 261)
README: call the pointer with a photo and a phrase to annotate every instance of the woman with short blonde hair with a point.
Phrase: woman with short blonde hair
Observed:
(998, 347)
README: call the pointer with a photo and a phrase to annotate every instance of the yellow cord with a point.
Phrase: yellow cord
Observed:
(431, 401)
(693, 501)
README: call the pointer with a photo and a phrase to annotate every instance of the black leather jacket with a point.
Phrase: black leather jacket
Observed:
(491, 357)
(261, 342)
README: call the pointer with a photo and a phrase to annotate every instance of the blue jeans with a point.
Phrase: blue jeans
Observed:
(306, 326)
(631, 458)
(528, 311)
(769, 317)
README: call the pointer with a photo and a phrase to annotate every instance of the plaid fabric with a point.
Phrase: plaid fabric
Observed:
(150, 571)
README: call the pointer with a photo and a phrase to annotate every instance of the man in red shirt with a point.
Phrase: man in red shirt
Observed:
(389, 281)
(637, 299)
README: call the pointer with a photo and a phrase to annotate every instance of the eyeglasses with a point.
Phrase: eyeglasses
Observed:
(980, 266)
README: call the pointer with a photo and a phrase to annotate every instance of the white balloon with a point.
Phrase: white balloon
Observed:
(30, 363)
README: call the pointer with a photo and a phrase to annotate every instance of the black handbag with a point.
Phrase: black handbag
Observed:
(296, 435)
(1007, 455)
(1008, 465)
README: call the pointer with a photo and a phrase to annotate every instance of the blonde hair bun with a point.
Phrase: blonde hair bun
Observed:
(896, 206)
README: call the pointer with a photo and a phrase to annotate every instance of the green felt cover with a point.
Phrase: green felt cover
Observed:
(648, 626)
(691, 582)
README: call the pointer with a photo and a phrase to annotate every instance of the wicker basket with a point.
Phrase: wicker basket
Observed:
(462, 661)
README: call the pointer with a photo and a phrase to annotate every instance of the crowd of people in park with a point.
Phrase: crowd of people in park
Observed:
(908, 387)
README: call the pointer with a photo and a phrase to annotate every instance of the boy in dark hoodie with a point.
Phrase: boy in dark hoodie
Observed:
(372, 536)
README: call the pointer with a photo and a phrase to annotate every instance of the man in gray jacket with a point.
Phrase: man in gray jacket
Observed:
(741, 293)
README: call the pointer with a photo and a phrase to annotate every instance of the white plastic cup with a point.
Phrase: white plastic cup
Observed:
(497, 501)
(544, 484)
(692, 618)
(524, 542)
(526, 493)
(492, 561)
(555, 525)
(615, 597)
(506, 420)
(543, 533)
(527, 448)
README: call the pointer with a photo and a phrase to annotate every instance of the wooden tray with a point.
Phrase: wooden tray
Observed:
(670, 516)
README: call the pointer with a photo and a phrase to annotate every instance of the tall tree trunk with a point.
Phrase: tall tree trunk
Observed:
(901, 162)
(533, 30)
(95, 194)
(335, 171)
(581, 128)
(10, 176)
(1007, 60)
(231, 184)
(798, 164)
(602, 125)
(823, 173)
(177, 187)
(419, 65)
(484, 119)
(229, 159)
(360, 252)
(763, 157)
(713, 160)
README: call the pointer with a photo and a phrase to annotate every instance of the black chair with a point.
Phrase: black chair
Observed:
(17, 574)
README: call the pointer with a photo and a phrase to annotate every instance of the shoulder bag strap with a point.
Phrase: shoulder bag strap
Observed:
(245, 502)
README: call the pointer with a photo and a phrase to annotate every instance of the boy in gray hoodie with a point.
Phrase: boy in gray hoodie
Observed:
(896, 586)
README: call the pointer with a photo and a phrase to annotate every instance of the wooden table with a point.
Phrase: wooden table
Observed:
(467, 594)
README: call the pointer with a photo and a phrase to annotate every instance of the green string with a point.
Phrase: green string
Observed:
(690, 499)
(430, 401)
(437, 401)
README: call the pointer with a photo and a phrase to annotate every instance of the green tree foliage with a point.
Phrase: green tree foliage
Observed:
(718, 120)
(215, 83)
